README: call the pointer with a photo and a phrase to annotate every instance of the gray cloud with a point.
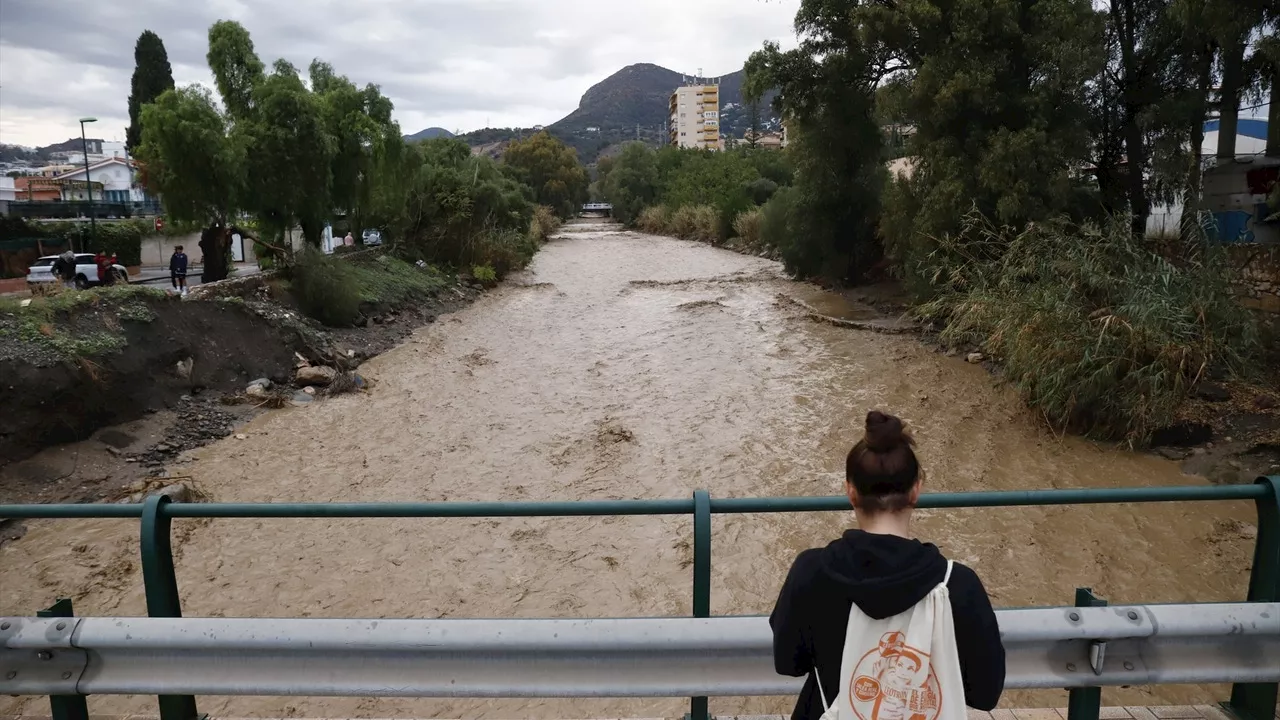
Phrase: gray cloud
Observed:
(455, 63)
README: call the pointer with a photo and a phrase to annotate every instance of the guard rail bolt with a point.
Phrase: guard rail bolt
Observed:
(61, 707)
(1084, 703)
(160, 583)
(1257, 701)
(701, 578)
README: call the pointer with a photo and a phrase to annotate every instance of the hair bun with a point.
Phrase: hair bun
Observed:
(884, 432)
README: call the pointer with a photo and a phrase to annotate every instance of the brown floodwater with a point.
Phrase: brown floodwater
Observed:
(622, 365)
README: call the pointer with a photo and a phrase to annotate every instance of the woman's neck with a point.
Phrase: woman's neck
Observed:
(885, 523)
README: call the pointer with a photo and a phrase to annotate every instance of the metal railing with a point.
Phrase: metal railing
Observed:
(631, 657)
(1250, 699)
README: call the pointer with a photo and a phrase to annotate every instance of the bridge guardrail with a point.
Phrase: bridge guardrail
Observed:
(1253, 696)
(632, 657)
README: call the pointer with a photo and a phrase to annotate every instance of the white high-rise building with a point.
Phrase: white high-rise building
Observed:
(695, 117)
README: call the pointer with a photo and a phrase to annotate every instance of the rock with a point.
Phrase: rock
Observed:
(161, 447)
(301, 398)
(315, 375)
(1173, 453)
(1264, 402)
(178, 492)
(974, 358)
(1212, 392)
(1198, 451)
(264, 382)
(241, 436)
(256, 391)
(951, 352)
(1183, 434)
(309, 390)
(183, 368)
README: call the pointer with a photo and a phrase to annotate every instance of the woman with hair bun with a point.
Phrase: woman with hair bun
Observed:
(883, 625)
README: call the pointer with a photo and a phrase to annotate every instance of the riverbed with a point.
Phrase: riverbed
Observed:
(623, 365)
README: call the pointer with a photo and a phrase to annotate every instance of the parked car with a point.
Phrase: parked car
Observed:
(41, 271)
(372, 237)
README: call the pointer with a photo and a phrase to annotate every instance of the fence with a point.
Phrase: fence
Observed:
(1148, 643)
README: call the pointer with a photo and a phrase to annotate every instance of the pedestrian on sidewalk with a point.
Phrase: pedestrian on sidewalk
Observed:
(885, 626)
(178, 270)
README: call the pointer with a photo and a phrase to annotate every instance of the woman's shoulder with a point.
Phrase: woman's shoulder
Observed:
(965, 584)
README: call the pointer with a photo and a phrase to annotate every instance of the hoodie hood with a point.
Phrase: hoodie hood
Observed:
(883, 574)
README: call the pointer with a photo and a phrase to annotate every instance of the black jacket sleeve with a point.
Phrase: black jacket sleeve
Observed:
(792, 654)
(981, 652)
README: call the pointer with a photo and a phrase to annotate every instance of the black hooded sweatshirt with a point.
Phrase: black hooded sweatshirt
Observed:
(884, 575)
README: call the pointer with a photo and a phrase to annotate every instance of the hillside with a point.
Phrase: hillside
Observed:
(429, 133)
(18, 153)
(631, 104)
(638, 95)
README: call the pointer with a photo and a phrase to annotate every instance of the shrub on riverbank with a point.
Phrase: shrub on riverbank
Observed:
(1101, 335)
(544, 223)
(325, 288)
(700, 223)
(747, 227)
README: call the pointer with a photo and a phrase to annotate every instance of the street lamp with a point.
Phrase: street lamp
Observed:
(84, 145)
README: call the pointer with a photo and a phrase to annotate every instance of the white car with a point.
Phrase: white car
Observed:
(372, 237)
(41, 271)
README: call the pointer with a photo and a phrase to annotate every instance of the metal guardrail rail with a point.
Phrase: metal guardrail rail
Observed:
(635, 657)
(1163, 657)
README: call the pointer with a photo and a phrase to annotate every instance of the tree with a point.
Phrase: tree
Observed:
(631, 184)
(152, 75)
(236, 67)
(552, 169)
(192, 160)
(289, 155)
(825, 91)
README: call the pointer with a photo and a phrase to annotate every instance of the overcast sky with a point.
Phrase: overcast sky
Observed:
(458, 64)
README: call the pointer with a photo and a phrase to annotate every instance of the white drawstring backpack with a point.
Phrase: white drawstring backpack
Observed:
(903, 667)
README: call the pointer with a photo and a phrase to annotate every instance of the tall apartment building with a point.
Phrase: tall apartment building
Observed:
(695, 117)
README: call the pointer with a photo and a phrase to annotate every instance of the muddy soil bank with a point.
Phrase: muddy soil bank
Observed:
(624, 365)
(81, 428)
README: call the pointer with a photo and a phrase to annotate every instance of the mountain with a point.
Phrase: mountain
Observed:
(632, 104)
(639, 95)
(19, 154)
(429, 133)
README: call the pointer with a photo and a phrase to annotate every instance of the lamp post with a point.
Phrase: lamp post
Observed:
(84, 145)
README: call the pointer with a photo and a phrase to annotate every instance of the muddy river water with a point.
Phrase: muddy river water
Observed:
(623, 365)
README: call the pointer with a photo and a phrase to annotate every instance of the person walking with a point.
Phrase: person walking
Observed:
(178, 270)
(884, 626)
(64, 267)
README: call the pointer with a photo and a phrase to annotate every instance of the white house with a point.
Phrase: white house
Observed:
(7, 190)
(115, 177)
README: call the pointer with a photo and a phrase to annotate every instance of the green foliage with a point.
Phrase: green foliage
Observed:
(1102, 334)
(552, 169)
(152, 75)
(190, 158)
(632, 182)
(324, 288)
(826, 90)
(51, 322)
(236, 68)
(485, 274)
(386, 280)
(122, 237)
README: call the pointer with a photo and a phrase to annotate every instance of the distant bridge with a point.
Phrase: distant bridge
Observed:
(606, 208)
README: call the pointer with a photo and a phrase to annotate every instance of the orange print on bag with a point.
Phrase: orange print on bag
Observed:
(895, 682)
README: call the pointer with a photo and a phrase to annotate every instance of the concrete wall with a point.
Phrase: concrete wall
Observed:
(1257, 276)
(156, 249)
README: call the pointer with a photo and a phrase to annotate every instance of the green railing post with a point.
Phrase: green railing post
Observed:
(160, 583)
(1085, 703)
(701, 578)
(65, 707)
(1257, 701)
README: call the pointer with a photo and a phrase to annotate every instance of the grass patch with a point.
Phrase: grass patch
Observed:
(387, 280)
(1099, 334)
(52, 322)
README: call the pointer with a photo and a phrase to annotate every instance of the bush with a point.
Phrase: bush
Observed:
(775, 219)
(485, 274)
(683, 222)
(504, 250)
(655, 219)
(325, 288)
(1100, 334)
(544, 223)
(124, 237)
(747, 226)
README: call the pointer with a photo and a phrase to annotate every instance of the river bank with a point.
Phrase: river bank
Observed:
(625, 365)
(106, 388)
